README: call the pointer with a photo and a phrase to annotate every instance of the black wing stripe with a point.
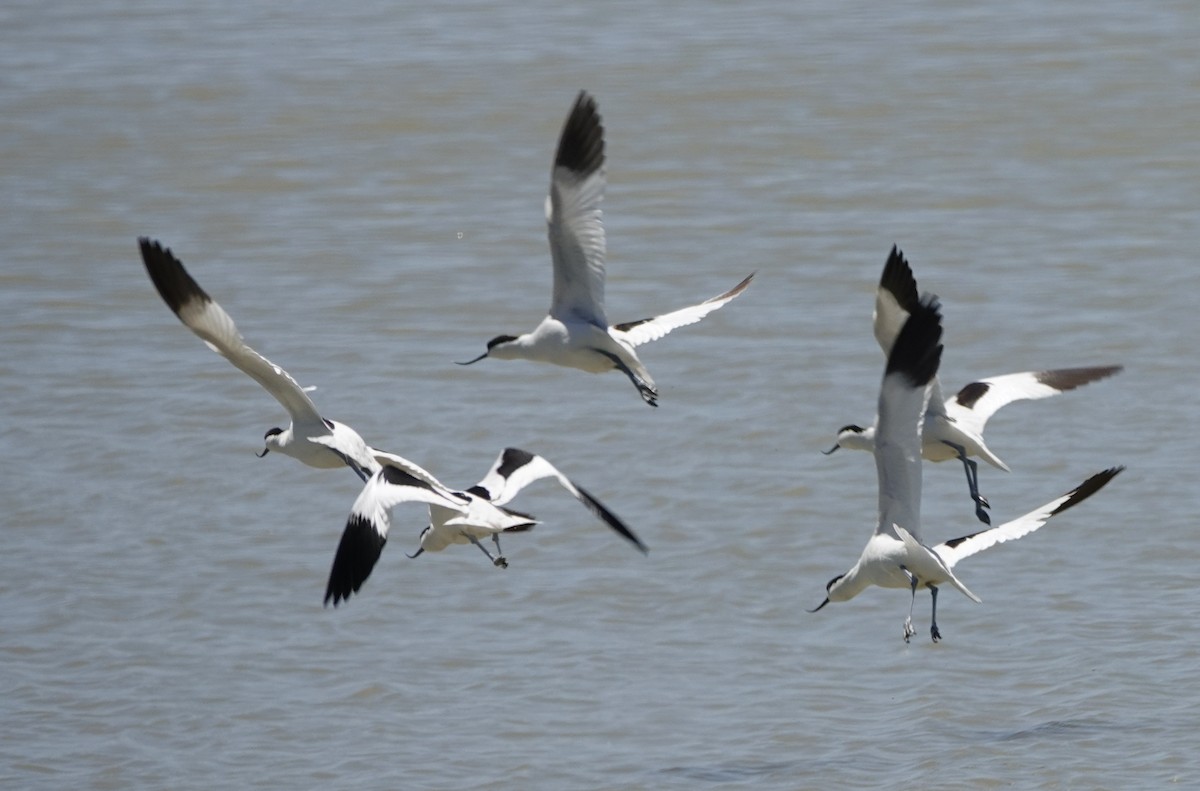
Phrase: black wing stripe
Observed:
(917, 351)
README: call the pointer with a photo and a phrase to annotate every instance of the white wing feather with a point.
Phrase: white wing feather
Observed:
(895, 297)
(635, 333)
(209, 321)
(903, 397)
(573, 217)
(956, 549)
(976, 402)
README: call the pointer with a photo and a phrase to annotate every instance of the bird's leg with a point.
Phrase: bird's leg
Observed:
(909, 631)
(499, 553)
(499, 562)
(972, 470)
(933, 630)
(648, 393)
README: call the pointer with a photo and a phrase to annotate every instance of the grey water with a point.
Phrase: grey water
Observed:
(361, 186)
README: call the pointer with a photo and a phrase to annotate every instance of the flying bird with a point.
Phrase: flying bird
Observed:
(311, 439)
(576, 333)
(954, 426)
(468, 517)
(894, 556)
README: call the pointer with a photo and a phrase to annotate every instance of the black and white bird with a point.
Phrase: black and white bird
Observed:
(954, 426)
(311, 439)
(468, 517)
(894, 556)
(576, 333)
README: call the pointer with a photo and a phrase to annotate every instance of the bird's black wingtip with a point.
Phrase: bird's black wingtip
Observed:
(145, 244)
(610, 519)
(581, 144)
(1063, 379)
(1088, 488)
(153, 251)
(174, 284)
(897, 279)
(357, 553)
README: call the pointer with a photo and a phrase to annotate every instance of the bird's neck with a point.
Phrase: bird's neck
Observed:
(852, 583)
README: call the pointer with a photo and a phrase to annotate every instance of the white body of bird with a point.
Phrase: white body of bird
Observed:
(576, 332)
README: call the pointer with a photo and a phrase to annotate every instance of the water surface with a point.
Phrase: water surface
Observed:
(362, 189)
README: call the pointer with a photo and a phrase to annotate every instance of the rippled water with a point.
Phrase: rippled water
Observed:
(361, 186)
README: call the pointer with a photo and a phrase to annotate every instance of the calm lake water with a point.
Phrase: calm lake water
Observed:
(361, 186)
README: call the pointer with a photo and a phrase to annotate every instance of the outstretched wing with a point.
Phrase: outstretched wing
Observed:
(366, 530)
(576, 232)
(199, 313)
(956, 549)
(412, 468)
(635, 333)
(975, 403)
(912, 365)
(895, 298)
(514, 469)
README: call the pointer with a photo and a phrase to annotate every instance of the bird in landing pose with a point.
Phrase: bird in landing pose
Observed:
(895, 557)
(954, 426)
(576, 333)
